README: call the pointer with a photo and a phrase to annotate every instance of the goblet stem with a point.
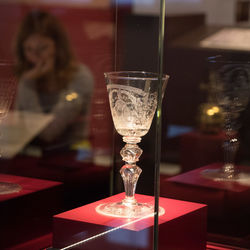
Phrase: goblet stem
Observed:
(228, 172)
(130, 172)
(230, 146)
(130, 175)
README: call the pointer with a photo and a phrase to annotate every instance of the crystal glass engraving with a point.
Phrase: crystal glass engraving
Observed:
(7, 90)
(232, 93)
(133, 102)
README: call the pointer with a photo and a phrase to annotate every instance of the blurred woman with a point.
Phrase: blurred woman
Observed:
(50, 80)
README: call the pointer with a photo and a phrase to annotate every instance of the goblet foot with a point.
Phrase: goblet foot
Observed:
(121, 210)
(225, 174)
(219, 175)
(9, 188)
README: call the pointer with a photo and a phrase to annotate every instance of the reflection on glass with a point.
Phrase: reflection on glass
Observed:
(7, 90)
(133, 101)
(232, 91)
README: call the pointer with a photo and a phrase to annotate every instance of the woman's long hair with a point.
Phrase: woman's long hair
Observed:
(45, 24)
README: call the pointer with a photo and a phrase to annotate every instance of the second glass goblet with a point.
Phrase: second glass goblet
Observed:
(7, 91)
(232, 93)
(133, 99)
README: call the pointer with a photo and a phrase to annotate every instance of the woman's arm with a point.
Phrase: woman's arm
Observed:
(27, 97)
(72, 102)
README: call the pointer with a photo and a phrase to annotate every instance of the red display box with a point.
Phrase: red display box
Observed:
(225, 199)
(27, 214)
(183, 224)
(28, 185)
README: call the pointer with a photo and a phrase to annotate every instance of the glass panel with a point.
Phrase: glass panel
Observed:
(199, 127)
(60, 151)
(60, 154)
(56, 140)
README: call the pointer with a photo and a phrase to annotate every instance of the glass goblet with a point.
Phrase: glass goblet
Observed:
(133, 99)
(232, 92)
(7, 90)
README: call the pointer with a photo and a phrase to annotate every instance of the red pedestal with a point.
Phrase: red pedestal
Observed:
(183, 224)
(226, 200)
(28, 185)
(27, 214)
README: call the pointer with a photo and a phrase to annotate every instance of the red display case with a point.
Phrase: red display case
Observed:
(184, 223)
(228, 201)
(26, 215)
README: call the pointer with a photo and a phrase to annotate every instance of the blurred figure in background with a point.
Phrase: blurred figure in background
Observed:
(51, 81)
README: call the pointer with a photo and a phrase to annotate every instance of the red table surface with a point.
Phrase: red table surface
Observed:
(173, 209)
(29, 185)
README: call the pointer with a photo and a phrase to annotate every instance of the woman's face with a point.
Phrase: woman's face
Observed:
(39, 49)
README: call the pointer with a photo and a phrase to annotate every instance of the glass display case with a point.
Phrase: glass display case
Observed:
(114, 119)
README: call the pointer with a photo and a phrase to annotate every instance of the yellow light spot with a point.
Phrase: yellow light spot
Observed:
(158, 113)
(74, 95)
(215, 109)
(210, 112)
(68, 98)
(71, 96)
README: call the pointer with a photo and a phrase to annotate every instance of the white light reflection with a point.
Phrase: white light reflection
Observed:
(106, 232)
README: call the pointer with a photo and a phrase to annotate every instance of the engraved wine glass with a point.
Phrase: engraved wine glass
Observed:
(232, 93)
(7, 91)
(133, 101)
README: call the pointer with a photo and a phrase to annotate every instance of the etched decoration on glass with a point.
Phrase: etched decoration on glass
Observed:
(7, 91)
(133, 101)
(232, 93)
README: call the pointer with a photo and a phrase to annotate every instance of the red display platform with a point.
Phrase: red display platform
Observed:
(28, 185)
(27, 214)
(183, 224)
(225, 199)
